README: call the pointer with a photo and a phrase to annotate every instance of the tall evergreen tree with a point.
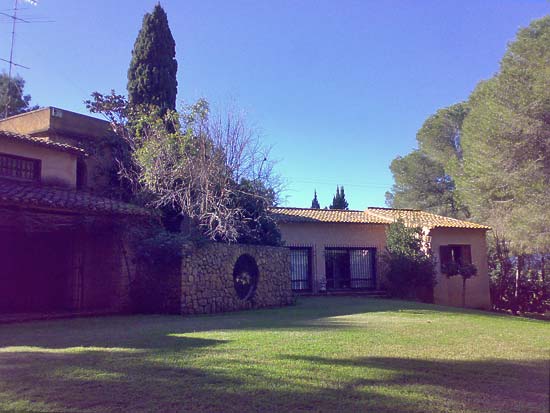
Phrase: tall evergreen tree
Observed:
(315, 202)
(421, 183)
(339, 200)
(152, 73)
(343, 202)
(505, 178)
(424, 178)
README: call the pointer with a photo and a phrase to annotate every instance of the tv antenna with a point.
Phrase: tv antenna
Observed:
(11, 63)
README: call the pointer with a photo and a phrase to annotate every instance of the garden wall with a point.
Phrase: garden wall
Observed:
(210, 282)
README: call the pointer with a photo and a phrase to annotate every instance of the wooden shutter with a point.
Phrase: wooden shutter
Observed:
(445, 256)
(466, 254)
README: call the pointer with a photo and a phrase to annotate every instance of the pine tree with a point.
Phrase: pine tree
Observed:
(315, 202)
(506, 145)
(152, 73)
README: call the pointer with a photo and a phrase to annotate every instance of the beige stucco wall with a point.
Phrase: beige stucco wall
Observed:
(27, 123)
(82, 131)
(58, 168)
(318, 236)
(448, 290)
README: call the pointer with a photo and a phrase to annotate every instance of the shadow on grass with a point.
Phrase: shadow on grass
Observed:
(154, 331)
(146, 363)
(492, 382)
(90, 381)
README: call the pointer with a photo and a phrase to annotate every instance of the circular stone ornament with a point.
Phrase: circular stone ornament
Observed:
(245, 276)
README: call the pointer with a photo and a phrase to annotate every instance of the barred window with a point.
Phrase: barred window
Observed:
(18, 167)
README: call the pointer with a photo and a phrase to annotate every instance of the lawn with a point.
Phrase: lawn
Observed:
(324, 354)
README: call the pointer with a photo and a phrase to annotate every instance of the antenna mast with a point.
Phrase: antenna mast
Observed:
(11, 63)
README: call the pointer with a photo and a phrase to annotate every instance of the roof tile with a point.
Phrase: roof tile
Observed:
(70, 200)
(44, 142)
(371, 215)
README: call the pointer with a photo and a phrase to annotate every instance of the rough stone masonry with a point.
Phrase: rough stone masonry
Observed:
(208, 283)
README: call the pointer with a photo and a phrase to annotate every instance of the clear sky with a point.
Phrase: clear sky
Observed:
(339, 88)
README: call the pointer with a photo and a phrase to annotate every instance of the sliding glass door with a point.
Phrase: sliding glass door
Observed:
(350, 268)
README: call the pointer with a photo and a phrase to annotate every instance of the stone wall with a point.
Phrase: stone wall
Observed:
(208, 286)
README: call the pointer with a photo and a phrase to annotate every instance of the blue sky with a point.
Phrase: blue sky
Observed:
(338, 88)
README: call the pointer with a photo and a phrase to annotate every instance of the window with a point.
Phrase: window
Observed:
(300, 269)
(454, 255)
(17, 167)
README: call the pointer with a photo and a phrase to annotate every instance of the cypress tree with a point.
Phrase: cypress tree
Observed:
(315, 202)
(339, 200)
(343, 202)
(152, 73)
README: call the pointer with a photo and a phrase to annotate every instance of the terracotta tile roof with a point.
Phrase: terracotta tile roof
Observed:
(29, 195)
(370, 216)
(327, 215)
(44, 142)
(417, 218)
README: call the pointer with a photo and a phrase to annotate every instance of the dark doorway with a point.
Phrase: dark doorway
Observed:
(35, 271)
(350, 268)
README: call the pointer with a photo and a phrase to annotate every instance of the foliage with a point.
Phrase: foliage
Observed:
(424, 178)
(460, 269)
(212, 169)
(464, 270)
(152, 73)
(518, 284)
(339, 200)
(493, 152)
(157, 254)
(440, 136)
(421, 183)
(409, 272)
(506, 145)
(256, 225)
(13, 101)
(315, 201)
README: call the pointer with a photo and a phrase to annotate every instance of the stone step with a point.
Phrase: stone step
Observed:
(347, 293)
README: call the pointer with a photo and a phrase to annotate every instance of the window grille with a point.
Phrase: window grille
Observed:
(300, 269)
(18, 167)
(353, 268)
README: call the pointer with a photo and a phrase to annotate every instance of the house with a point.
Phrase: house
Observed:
(64, 238)
(339, 250)
(62, 243)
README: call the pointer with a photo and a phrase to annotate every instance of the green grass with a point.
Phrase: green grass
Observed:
(324, 354)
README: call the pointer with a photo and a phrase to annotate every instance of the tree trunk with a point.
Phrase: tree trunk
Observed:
(519, 269)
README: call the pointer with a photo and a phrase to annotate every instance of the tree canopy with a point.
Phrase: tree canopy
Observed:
(505, 178)
(424, 179)
(209, 168)
(339, 199)
(152, 73)
(13, 99)
(421, 183)
(315, 201)
(489, 157)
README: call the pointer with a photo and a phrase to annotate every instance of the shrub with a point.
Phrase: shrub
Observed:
(464, 270)
(409, 272)
(518, 283)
